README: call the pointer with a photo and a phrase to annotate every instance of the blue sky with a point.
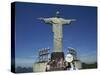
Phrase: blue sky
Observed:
(32, 34)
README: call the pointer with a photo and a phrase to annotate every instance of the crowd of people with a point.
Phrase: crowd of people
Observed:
(60, 64)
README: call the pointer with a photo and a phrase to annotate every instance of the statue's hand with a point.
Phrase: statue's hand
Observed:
(73, 19)
(40, 18)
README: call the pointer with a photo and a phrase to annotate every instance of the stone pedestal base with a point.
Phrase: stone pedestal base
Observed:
(57, 61)
(57, 56)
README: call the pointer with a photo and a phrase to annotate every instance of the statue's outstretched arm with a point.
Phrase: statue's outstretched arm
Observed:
(46, 20)
(68, 21)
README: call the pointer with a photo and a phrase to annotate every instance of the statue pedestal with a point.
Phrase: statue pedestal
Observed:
(57, 60)
(57, 56)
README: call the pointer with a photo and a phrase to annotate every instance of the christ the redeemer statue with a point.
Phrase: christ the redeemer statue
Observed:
(57, 24)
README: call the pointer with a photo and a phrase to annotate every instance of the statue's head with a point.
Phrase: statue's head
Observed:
(57, 14)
